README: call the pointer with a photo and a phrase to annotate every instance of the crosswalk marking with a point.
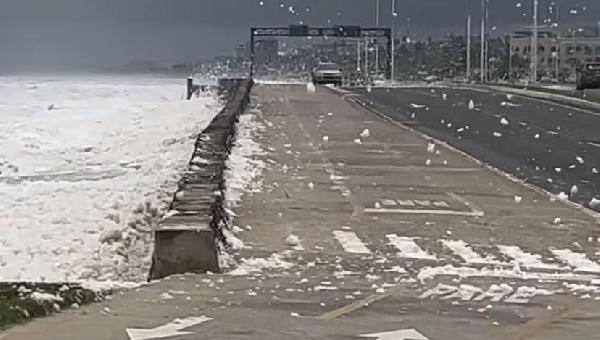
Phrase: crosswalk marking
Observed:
(464, 292)
(407, 248)
(579, 261)
(527, 260)
(350, 242)
(464, 251)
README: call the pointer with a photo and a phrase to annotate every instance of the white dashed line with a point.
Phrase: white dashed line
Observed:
(407, 248)
(527, 260)
(578, 261)
(464, 251)
(350, 242)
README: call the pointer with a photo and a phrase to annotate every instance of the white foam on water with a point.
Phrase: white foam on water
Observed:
(86, 158)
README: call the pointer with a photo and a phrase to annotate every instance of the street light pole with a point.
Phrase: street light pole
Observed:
(534, 43)
(377, 13)
(487, 41)
(393, 61)
(468, 75)
(482, 56)
(366, 63)
(358, 54)
(377, 23)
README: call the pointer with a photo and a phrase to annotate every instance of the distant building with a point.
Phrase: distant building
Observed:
(266, 51)
(558, 50)
(241, 51)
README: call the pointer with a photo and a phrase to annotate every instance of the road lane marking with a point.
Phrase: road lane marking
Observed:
(171, 329)
(464, 251)
(401, 334)
(413, 203)
(410, 168)
(353, 306)
(358, 304)
(407, 248)
(429, 273)
(578, 261)
(475, 211)
(527, 260)
(368, 107)
(350, 242)
(474, 207)
(465, 292)
(495, 293)
(439, 290)
(424, 212)
(388, 202)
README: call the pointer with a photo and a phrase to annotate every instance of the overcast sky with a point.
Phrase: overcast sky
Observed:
(102, 33)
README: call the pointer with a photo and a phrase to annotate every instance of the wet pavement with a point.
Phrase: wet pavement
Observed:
(392, 232)
(554, 147)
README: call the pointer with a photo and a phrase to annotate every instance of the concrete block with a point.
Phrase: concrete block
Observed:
(182, 251)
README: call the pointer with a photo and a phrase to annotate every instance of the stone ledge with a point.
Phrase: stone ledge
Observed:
(187, 241)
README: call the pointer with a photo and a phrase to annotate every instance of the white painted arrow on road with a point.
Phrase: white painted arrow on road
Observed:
(402, 334)
(171, 329)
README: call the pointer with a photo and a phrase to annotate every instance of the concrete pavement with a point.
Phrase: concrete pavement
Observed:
(551, 146)
(391, 232)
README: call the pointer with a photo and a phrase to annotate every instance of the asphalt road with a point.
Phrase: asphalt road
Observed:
(552, 146)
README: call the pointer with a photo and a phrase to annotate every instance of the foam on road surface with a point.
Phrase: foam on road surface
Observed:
(354, 268)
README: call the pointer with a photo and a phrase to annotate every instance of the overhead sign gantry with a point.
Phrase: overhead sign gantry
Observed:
(325, 32)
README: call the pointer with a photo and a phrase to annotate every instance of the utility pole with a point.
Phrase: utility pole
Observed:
(377, 13)
(367, 57)
(487, 41)
(482, 56)
(358, 53)
(393, 61)
(534, 43)
(510, 56)
(557, 52)
(377, 23)
(468, 75)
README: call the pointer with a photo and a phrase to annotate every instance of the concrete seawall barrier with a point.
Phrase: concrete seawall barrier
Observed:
(186, 241)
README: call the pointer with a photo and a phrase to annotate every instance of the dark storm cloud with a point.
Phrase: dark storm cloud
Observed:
(83, 33)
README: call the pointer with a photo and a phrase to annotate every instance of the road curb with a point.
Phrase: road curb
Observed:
(549, 96)
(186, 240)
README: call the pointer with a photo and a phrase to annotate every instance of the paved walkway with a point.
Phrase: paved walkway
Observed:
(391, 232)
